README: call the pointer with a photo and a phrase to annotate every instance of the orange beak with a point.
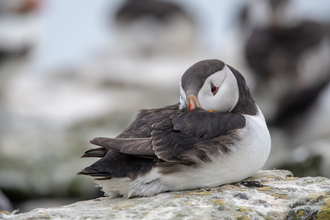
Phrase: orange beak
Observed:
(193, 102)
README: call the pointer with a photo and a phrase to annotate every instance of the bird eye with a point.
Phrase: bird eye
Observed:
(214, 89)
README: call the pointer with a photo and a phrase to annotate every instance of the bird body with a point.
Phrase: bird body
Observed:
(216, 135)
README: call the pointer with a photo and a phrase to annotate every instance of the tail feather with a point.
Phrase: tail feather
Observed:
(137, 158)
(96, 152)
(89, 171)
(117, 165)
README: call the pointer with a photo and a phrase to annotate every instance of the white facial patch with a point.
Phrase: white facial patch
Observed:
(183, 98)
(226, 98)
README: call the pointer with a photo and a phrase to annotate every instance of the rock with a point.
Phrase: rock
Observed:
(269, 194)
(5, 204)
(309, 159)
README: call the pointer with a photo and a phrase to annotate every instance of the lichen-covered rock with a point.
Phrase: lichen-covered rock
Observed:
(271, 194)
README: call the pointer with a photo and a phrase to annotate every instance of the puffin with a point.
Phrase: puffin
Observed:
(215, 135)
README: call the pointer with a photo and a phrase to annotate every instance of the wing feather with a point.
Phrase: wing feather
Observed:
(133, 146)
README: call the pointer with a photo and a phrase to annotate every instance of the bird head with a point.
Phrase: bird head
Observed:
(209, 85)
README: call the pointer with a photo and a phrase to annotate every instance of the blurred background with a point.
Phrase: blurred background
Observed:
(74, 70)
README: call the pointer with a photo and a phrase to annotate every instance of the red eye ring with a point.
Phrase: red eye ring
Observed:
(214, 89)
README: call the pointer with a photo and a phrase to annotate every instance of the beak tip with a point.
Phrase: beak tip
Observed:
(191, 106)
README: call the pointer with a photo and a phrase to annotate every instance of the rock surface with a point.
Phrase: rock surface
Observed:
(271, 194)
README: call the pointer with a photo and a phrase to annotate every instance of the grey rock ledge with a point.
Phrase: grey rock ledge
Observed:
(269, 194)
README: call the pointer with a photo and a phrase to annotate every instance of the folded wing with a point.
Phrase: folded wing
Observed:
(175, 137)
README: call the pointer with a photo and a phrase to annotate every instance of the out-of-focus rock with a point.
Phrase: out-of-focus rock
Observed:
(274, 194)
(5, 204)
(304, 151)
(309, 159)
(289, 58)
(289, 54)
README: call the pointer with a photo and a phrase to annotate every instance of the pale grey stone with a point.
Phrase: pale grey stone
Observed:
(270, 194)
